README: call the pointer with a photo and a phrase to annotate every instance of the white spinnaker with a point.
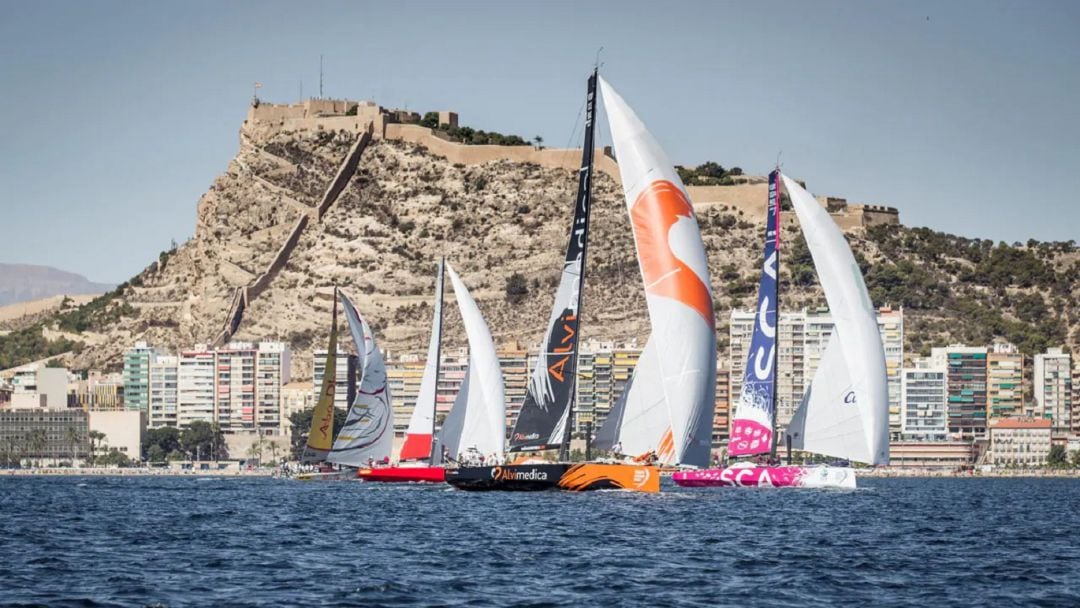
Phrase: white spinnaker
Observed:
(827, 421)
(368, 432)
(484, 425)
(423, 417)
(678, 292)
(855, 323)
(645, 413)
(449, 436)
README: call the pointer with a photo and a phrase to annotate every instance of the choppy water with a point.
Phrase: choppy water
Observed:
(241, 542)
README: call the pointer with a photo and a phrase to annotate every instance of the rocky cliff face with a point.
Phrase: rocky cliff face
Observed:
(405, 207)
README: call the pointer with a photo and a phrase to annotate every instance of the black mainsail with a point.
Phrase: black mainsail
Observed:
(543, 422)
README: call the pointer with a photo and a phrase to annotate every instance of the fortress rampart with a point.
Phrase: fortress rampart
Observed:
(748, 195)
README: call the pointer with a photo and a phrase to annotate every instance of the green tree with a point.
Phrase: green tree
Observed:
(300, 426)
(202, 440)
(97, 438)
(430, 120)
(36, 442)
(1057, 457)
(166, 439)
(516, 288)
(73, 439)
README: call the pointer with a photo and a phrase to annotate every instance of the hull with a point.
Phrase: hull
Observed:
(561, 476)
(403, 474)
(768, 477)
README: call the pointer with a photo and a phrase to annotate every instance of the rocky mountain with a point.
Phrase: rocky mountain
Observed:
(26, 282)
(305, 207)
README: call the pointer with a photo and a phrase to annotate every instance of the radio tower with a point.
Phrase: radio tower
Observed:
(320, 77)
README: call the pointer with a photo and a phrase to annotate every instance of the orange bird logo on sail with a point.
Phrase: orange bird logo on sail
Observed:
(656, 211)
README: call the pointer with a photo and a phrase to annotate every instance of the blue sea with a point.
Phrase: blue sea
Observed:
(141, 541)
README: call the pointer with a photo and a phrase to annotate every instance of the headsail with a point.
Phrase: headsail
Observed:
(753, 426)
(483, 423)
(321, 435)
(369, 428)
(678, 292)
(417, 444)
(541, 424)
(852, 372)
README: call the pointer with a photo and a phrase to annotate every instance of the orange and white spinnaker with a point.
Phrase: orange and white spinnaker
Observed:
(669, 408)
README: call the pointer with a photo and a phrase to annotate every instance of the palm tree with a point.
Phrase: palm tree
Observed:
(95, 438)
(71, 436)
(539, 142)
(36, 441)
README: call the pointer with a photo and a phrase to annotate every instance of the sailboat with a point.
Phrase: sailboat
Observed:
(368, 433)
(844, 413)
(476, 424)
(665, 412)
(546, 415)
(418, 460)
(320, 438)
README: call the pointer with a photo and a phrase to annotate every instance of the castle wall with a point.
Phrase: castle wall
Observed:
(569, 159)
(345, 172)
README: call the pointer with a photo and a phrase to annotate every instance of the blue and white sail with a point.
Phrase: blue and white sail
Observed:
(752, 427)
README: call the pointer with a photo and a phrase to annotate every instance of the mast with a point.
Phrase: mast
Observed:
(549, 399)
(774, 194)
(438, 363)
(585, 202)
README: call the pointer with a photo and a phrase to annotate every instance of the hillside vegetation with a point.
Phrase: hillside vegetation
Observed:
(503, 225)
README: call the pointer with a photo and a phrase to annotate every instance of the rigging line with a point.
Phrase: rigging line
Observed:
(577, 121)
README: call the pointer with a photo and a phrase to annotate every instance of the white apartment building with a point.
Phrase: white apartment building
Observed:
(1052, 398)
(164, 385)
(802, 339)
(924, 405)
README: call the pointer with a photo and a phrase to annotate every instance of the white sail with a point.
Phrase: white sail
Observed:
(449, 436)
(678, 292)
(417, 443)
(827, 421)
(859, 366)
(369, 428)
(484, 422)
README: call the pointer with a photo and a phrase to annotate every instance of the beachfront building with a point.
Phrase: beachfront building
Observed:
(721, 428)
(924, 415)
(195, 386)
(345, 377)
(1052, 394)
(965, 369)
(137, 360)
(1020, 442)
(163, 396)
(939, 455)
(43, 435)
(1004, 381)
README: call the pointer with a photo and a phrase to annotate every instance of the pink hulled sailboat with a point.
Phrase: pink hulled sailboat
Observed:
(844, 413)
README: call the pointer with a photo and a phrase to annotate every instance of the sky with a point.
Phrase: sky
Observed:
(115, 117)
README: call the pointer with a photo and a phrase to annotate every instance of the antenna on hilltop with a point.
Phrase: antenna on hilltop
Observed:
(320, 76)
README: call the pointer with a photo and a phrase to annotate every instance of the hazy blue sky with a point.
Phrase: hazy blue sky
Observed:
(116, 116)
